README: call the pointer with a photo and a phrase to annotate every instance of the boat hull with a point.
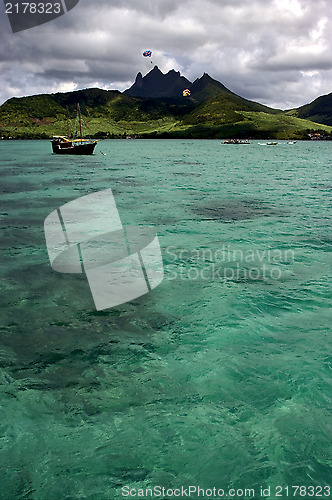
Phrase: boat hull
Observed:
(77, 149)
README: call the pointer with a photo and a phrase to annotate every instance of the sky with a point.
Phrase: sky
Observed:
(276, 52)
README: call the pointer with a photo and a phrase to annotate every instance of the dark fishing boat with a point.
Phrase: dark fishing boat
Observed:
(62, 145)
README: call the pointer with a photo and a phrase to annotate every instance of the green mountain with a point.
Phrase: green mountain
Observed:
(155, 107)
(205, 87)
(319, 110)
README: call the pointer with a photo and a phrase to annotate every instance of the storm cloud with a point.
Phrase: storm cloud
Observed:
(277, 52)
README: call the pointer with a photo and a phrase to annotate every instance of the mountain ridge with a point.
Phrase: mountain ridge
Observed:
(319, 110)
(212, 110)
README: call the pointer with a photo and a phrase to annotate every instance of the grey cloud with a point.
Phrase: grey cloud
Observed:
(295, 63)
(256, 48)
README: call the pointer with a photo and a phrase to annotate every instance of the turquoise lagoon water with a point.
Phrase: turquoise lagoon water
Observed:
(218, 378)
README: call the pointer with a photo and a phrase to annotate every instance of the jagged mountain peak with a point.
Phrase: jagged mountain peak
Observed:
(155, 69)
(156, 84)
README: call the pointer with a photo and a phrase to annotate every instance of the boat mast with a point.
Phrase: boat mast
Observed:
(67, 114)
(79, 117)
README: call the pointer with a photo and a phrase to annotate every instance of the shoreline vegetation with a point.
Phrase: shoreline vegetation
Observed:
(154, 108)
(156, 137)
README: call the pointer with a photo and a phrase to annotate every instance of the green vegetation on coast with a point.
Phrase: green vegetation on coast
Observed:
(211, 111)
